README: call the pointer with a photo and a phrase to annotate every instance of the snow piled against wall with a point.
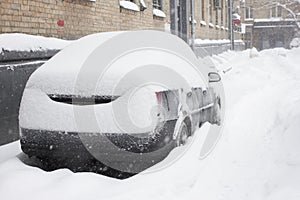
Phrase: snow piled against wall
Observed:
(24, 42)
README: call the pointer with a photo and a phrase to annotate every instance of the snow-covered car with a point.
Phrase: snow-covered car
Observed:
(72, 111)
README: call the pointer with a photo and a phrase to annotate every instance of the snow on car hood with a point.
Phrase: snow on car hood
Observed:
(112, 63)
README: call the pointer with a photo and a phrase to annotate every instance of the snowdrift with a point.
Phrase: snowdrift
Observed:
(258, 156)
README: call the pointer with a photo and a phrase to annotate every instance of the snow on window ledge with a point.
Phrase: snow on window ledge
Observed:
(218, 27)
(222, 27)
(143, 4)
(195, 21)
(203, 23)
(129, 5)
(226, 29)
(211, 25)
(159, 13)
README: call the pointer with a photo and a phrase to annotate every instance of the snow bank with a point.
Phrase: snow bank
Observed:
(253, 53)
(24, 42)
(9, 150)
(258, 156)
(258, 151)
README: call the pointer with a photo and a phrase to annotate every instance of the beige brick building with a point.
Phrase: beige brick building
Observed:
(71, 19)
(212, 18)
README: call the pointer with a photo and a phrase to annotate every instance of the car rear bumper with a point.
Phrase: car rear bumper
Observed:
(126, 152)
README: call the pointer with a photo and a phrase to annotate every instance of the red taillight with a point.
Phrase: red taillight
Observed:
(159, 97)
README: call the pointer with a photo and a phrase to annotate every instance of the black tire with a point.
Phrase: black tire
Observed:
(182, 135)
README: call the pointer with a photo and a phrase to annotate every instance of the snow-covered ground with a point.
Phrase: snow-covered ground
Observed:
(258, 156)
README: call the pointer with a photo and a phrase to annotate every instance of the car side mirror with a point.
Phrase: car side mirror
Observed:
(213, 77)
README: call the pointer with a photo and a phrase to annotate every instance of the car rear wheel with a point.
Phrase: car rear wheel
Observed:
(182, 135)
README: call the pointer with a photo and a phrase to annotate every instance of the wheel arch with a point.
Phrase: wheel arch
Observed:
(180, 120)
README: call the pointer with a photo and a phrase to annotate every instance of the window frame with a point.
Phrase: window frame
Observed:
(275, 10)
(248, 12)
(158, 5)
(210, 11)
(202, 10)
(217, 4)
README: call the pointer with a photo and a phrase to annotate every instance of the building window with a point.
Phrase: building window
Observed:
(222, 15)
(242, 4)
(202, 10)
(279, 11)
(217, 4)
(158, 4)
(210, 10)
(276, 10)
(226, 14)
(249, 13)
(217, 17)
(158, 9)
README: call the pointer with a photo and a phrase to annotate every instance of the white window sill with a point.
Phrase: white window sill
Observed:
(129, 6)
(203, 23)
(211, 25)
(222, 27)
(195, 21)
(159, 13)
(143, 4)
(218, 27)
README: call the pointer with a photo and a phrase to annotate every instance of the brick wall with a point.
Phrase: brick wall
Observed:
(204, 31)
(83, 17)
(79, 17)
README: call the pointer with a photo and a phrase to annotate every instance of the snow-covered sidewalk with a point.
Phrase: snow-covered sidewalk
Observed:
(258, 156)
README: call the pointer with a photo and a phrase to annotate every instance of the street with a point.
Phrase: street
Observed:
(257, 157)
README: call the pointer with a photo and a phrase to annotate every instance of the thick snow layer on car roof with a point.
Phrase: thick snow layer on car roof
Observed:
(77, 68)
(24, 42)
(257, 157)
